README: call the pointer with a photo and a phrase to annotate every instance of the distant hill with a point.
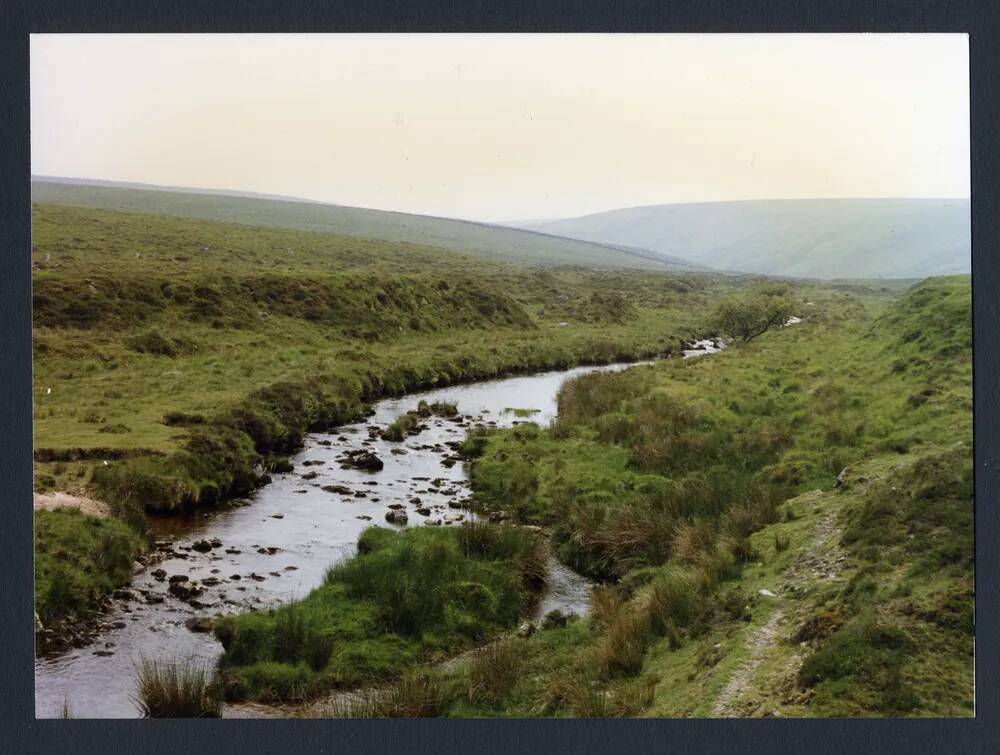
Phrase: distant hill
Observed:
(816, 238)
(491, 242)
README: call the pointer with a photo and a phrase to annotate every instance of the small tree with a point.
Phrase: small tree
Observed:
(746, 316)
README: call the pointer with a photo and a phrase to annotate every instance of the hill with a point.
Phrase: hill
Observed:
(812, 238)
(493, 243)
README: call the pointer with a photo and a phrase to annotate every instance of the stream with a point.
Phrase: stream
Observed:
(277, 544)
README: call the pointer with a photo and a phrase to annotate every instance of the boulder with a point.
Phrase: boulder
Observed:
(526, 629)
(159, 574)
(396, 517)
(362, 459)
(842, 478)
(185, 590)
(199, 624)
(202, 546)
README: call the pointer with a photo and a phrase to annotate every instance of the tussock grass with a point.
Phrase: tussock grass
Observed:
(177, 690)
(493, 672)
(405, 597)
(417, 694)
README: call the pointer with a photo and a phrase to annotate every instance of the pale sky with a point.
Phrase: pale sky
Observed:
(501, 127)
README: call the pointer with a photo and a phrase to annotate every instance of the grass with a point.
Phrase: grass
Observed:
(78, 560)
(355, 230)
(177, 690)
(406, 598)
(176, 361)
(669, 482)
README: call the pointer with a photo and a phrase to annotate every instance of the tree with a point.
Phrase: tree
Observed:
(746, 316)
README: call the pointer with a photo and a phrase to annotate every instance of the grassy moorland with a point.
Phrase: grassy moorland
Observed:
(175, 359)
(786, 526)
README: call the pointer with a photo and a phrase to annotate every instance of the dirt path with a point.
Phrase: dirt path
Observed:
(53, 501)
(822, 561)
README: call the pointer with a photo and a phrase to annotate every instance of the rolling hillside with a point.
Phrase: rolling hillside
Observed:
(816, 238)
(494, 243)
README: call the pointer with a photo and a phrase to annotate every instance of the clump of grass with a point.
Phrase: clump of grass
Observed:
(621, 647)
(781, 542)
(493, 672)
(401, 427)
(437, 408)
(404, 598)
(79, 559)
(183, 419)
(418, 694)
(153, 342)
(862, 666)
(177, 690)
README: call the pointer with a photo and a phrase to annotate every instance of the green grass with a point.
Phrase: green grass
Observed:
(78, 560)
(177, 690)
(176, 360)
(405, 599)
(356, 225)
(669, 482)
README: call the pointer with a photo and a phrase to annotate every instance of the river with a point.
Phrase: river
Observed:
(277, 544)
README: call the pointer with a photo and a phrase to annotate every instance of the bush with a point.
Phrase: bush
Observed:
(172, 690)
(747, 316)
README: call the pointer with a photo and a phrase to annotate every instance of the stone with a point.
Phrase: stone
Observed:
(396, 517)
(362, 459)
(526, 629)
(766, 594)
(338, 489)
(158, 574)
(185, 590)
(199, 624)
(842, 478)
(202, 546)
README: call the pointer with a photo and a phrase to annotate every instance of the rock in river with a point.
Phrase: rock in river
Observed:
(199, 624)
(396, 517)
(362, 459)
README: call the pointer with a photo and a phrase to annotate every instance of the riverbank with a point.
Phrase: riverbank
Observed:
(278, 546)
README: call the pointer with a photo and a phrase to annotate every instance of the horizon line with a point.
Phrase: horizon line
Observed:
(250, 194)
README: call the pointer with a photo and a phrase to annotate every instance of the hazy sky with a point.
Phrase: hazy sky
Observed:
(508, 126)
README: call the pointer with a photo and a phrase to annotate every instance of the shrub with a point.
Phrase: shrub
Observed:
(177, 690)
(747, 316)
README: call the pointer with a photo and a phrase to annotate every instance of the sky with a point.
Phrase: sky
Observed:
(508, 127)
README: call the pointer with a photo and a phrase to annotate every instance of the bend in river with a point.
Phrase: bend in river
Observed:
(279, 544)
